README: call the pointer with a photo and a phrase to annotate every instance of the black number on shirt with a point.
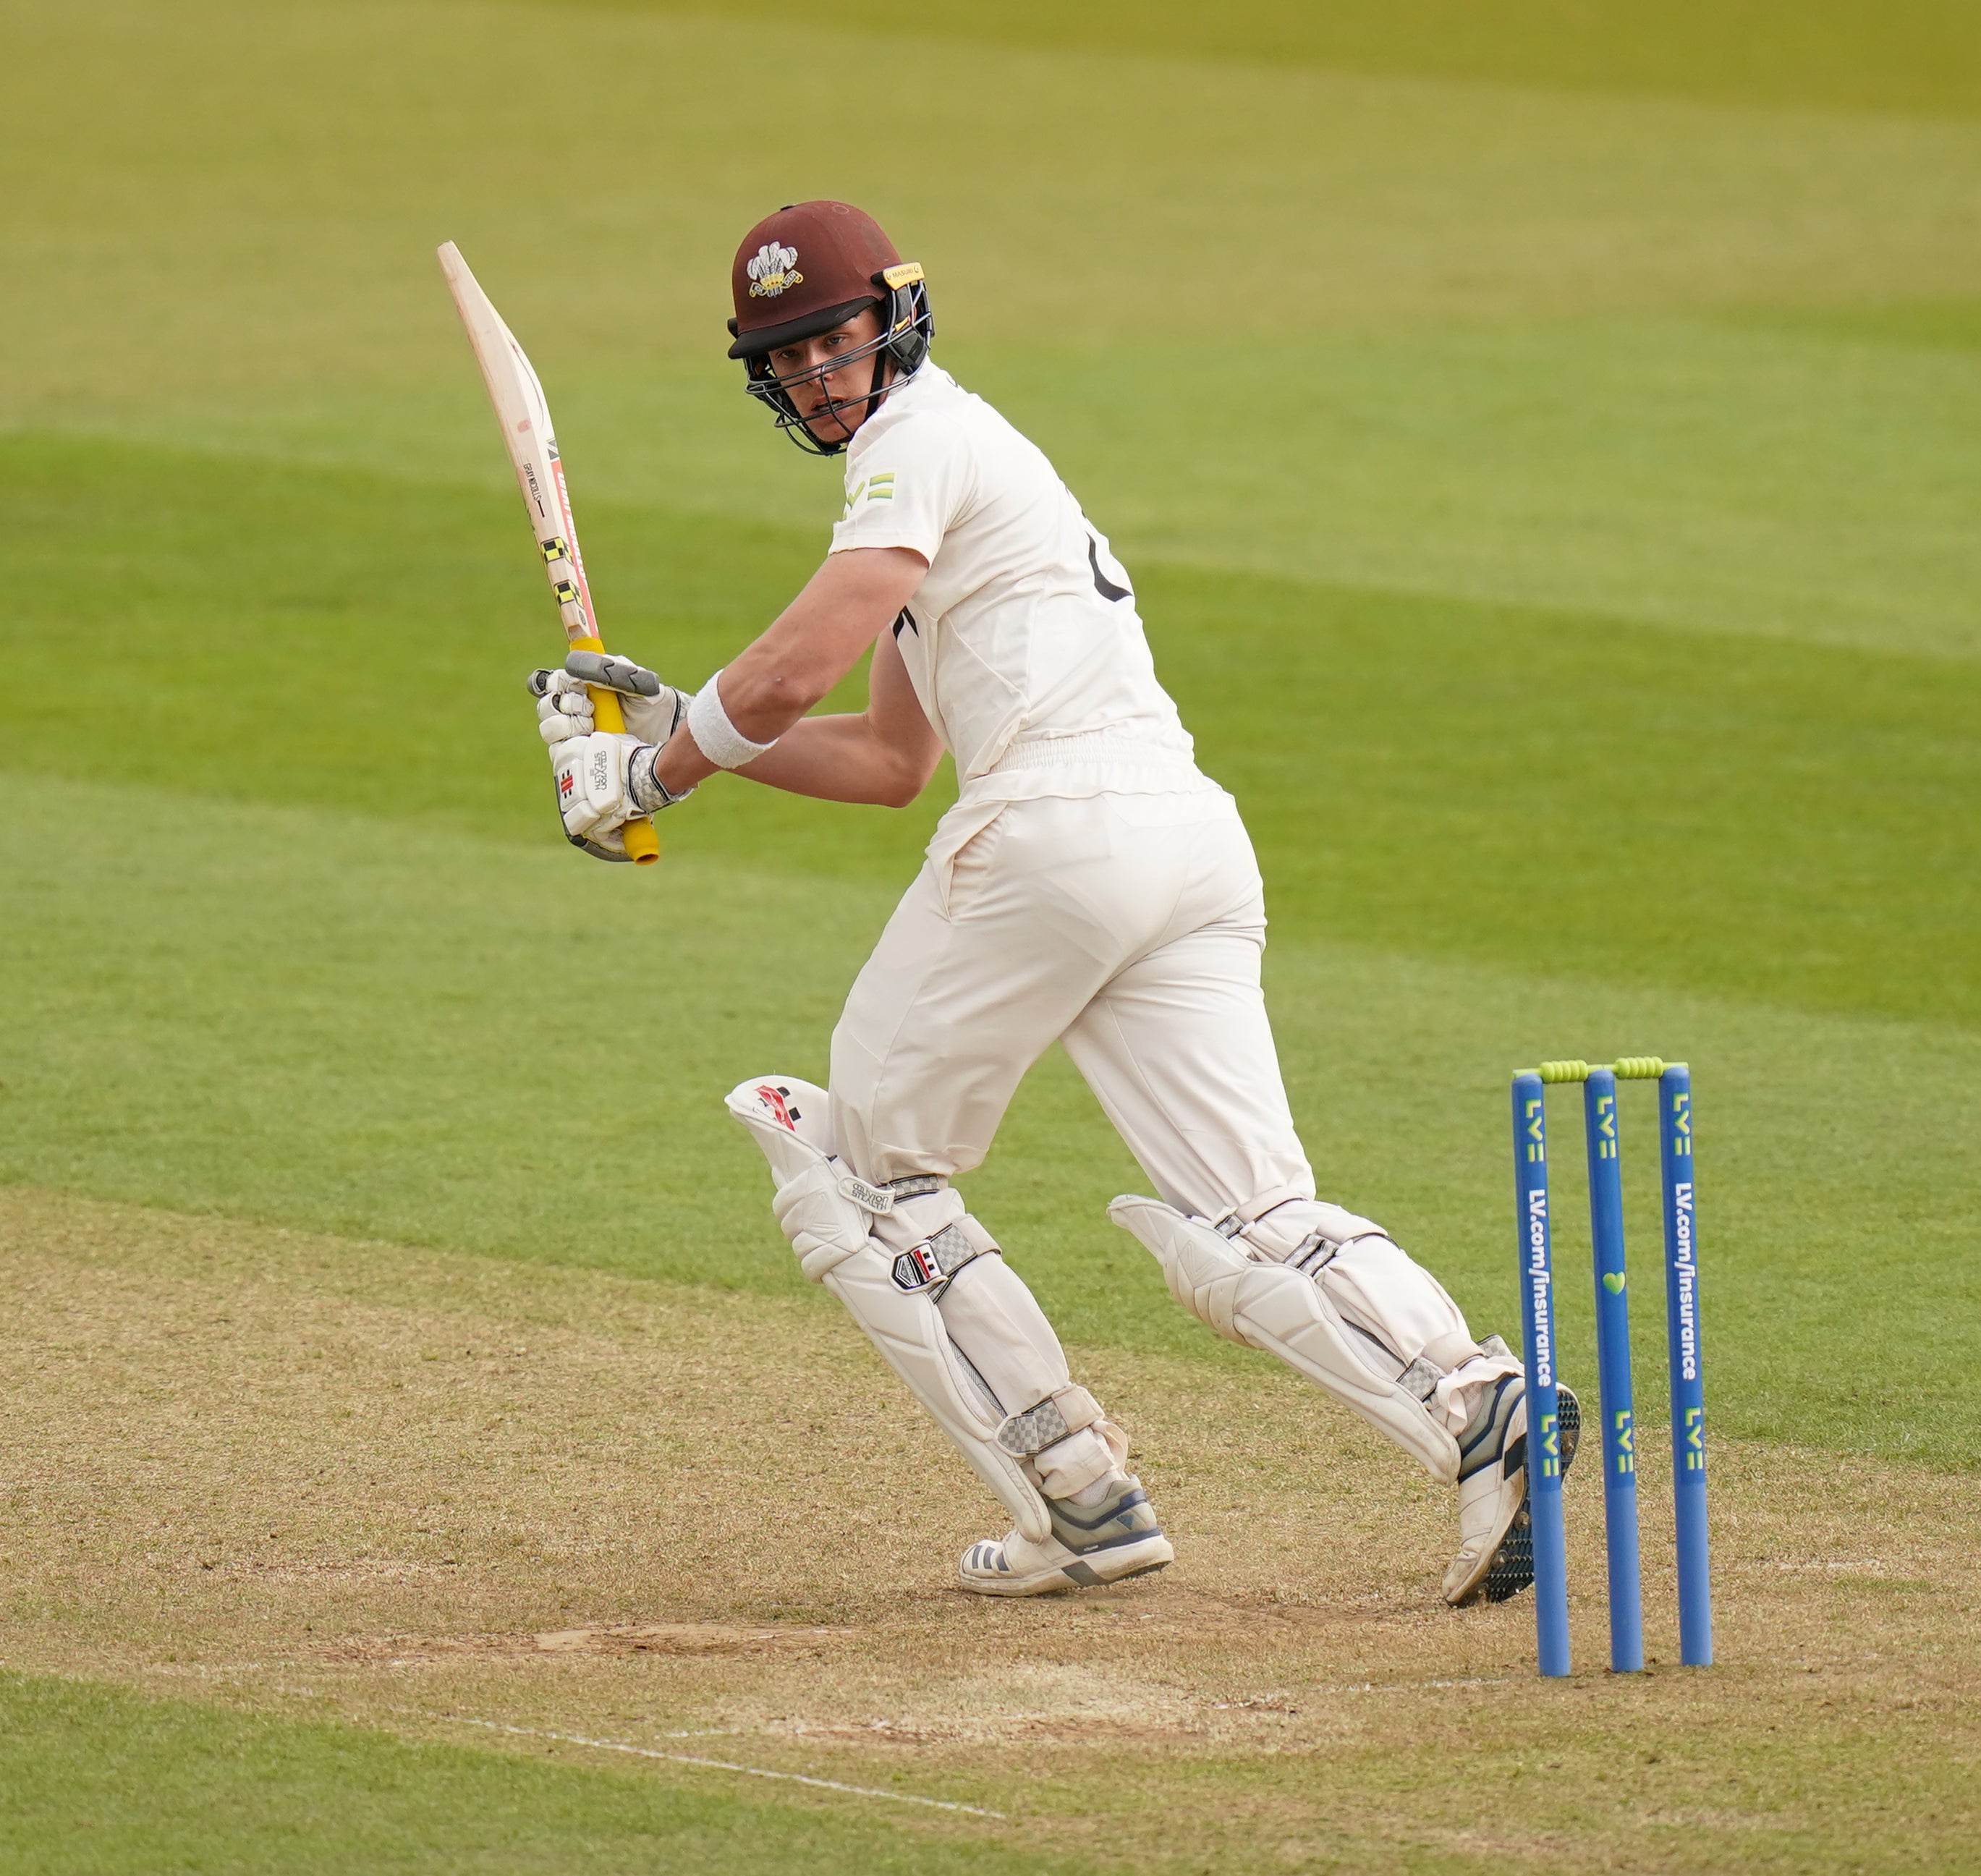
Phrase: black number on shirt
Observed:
(1102, 584)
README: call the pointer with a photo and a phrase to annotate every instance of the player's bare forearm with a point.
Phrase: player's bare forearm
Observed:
(846, 607)
(840, 759)
(883, 756)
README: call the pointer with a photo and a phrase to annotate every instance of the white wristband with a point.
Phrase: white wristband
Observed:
(715, 736)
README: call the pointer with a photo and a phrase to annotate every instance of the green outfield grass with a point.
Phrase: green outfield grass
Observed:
(1547, 457)
(96, 1779)
(1889, 54)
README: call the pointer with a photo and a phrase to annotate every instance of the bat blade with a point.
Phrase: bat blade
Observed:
(523, 414)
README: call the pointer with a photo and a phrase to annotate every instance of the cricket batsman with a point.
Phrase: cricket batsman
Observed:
(1090, 885)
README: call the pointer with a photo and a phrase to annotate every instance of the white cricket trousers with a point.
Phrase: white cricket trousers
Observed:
(1129, 927)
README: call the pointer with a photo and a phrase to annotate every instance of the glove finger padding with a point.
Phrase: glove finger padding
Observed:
(563, 708)
(611, 673)
(653, 719)
(653, 710)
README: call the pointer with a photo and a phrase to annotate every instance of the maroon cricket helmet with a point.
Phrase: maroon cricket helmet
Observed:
(804, 270)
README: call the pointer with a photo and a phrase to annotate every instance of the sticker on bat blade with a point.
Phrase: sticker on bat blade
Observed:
(582, 599)
(563, 508)
(555, 550)
(566, 593)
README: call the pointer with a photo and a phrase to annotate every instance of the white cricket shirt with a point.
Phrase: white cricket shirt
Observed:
(1023, 642)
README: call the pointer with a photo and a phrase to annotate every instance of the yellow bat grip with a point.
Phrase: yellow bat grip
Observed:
(643, 845)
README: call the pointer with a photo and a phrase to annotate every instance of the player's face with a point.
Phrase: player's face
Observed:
(820, 397)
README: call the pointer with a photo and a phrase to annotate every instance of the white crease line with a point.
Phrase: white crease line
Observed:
(711, 1764)
(1406, 1687)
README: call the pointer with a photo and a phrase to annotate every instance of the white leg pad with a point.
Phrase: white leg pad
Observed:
(992, 1317)
(1283, 1312)
(824, 1208)
(908, 1331)
(829, 1213)
(995, 1320)
(1394, 1305)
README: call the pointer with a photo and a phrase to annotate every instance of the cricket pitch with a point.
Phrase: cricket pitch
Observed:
(701, 1535)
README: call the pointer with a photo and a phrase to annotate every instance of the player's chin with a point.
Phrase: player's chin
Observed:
(828, 425)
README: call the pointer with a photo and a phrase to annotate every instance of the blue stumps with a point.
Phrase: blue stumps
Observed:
(1617, 1438)
(1618, 1444)
(1688, 1386)
(1530, 1188)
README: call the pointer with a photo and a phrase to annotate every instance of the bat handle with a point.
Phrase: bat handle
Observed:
(643, 845)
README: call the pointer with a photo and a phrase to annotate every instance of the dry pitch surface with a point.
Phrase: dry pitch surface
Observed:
(444, 1496)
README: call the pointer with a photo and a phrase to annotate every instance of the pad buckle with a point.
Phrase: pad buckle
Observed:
(930, 1265)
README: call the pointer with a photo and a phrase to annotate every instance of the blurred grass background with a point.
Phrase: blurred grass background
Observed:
(1876, 54)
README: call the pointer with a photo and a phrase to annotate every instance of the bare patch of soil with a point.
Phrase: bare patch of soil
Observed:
(600, 1639)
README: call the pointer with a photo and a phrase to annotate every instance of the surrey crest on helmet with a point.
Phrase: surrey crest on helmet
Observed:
(771, 269)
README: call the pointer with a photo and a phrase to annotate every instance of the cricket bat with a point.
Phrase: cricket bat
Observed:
(525, 420)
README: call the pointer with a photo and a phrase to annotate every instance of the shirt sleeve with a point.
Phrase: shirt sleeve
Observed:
(910, 489)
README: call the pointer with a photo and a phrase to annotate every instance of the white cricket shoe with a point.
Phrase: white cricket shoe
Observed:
(1090, 1545)
(1496, 1548)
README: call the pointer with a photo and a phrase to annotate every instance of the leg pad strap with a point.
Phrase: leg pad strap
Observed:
(1027, 1434)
